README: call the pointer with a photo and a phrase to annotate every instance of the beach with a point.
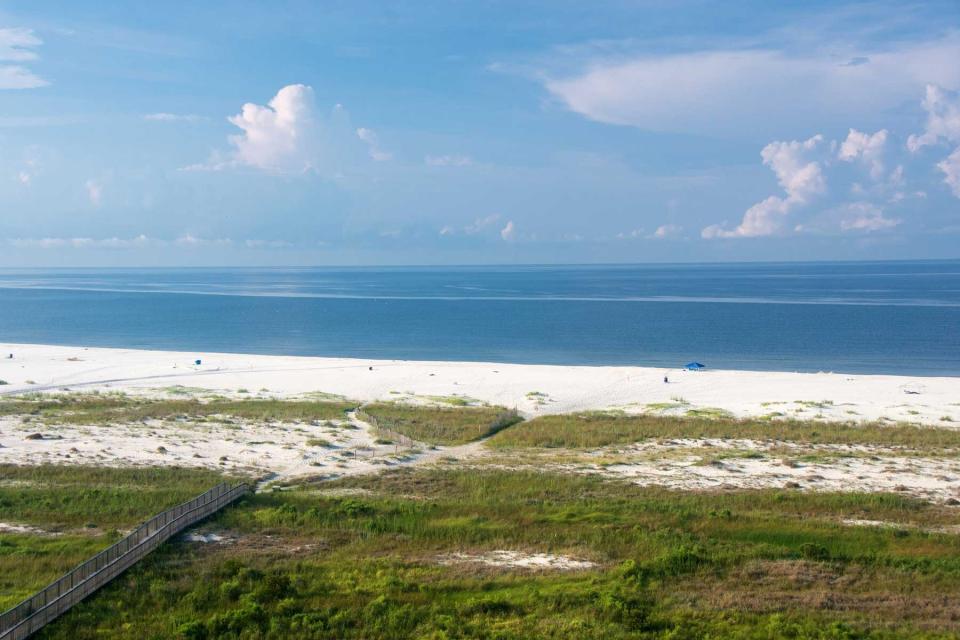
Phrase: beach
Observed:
(346, 444)
(531, 389)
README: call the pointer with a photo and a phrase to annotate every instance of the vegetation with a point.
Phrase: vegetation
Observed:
(74, 512)
(439, 425)
(98, 409)
(360, 558)
(602, 429)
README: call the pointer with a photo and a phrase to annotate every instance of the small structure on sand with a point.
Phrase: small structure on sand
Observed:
(694, 366)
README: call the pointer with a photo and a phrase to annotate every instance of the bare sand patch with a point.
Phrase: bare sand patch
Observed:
(518, 559)
(9, 527)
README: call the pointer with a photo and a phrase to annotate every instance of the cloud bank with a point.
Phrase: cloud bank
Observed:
(742, 89)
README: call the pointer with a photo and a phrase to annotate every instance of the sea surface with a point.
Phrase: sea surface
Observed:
(866, 317)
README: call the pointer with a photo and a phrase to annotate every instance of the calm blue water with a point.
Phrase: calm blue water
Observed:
(896, 317)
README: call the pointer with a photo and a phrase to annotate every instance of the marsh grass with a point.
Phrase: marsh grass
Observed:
(587, 430)
(439, 425)
(58, 498)
(80, 510)
(360, 560)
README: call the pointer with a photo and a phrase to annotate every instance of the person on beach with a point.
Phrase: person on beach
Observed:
(666, 380)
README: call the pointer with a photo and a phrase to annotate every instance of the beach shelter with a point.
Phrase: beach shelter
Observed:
(694, 366)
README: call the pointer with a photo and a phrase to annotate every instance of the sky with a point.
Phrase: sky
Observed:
(374, 133)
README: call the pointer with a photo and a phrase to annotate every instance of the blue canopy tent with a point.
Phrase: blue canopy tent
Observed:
(694, 366)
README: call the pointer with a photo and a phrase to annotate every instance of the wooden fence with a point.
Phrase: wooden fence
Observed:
(35, 612)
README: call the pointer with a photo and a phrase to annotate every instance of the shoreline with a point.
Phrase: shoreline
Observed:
(531, 389)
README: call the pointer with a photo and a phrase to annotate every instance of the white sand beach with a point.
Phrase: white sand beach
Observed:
(531, 389)
(279, 451)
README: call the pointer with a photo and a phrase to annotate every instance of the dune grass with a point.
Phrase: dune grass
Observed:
(98, 409)
(438, 425)
(585, 430)
(358, 558)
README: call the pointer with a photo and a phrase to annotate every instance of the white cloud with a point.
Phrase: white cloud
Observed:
(800, 178)
(190, 241)
(943, 124)
(509, 232)
(447, 230)
(16, 45)
(84, 243)
(863, 216)
(289, 135)
(667, 231)
(943, 118)
(740, 89)
(373, 144)
(279, 137)
(454, 160)
(94, 192)
(480, 223)
(173, 117)
(951, 169)
(868, 149)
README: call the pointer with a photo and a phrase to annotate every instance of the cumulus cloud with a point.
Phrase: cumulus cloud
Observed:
(864, 216)
(454, 160)
(943, 118)
(94, 192)
(373, 144)
(951, 169)
(278, 136)
(509, 232)
(289, 135)
(17, 45)
(943, 124)
(667, 231)
(481, 223)
(801, 179)
(739, 89)
(868, 149)
(30, 170)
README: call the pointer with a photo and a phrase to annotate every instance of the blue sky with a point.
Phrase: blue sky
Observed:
(291, 133)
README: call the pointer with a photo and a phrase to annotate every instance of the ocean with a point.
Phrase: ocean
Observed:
(856, 317)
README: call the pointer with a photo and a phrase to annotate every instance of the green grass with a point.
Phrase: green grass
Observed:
(749, 564)
(439, 425)
(84, 506)
(97, 409)
(602, 429)
(58, 498)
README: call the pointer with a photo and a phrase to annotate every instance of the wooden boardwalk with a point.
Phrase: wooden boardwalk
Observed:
(46, 605)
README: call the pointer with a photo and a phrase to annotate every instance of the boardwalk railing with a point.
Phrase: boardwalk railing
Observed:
(35, 612)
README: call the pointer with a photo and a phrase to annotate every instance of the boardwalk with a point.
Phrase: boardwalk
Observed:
(35, 612)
